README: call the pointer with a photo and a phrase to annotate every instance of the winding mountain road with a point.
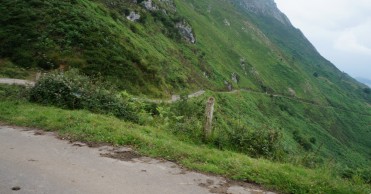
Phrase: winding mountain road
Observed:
(16, 82)
(176, 98)
(35, 162)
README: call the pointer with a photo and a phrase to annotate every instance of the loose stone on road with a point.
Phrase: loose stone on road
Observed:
(33, 162)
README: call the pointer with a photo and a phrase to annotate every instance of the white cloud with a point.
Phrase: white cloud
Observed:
(348, 41)
(339, 29)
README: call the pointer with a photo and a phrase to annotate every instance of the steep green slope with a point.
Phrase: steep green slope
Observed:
(278, 59)
(233, 46)
(322, 114)
(90, 36)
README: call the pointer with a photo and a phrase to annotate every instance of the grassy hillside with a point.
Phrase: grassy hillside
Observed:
(288, 104)
(149, 56)
(159, 142)
(90, 36)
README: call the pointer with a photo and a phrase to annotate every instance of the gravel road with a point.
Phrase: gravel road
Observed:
(32, 161)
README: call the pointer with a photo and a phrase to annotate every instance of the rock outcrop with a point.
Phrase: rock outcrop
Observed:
(226, 22)
(265, 8)
(235, 78)
(228, 85)
(186, 31)
(149, 5)
(133, 16)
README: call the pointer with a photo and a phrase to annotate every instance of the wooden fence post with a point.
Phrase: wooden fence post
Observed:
(209, 111)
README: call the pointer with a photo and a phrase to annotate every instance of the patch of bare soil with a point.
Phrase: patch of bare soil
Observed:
(39, 132)
(97, 145)
(223, 187)
(208, 183)
(126, 155)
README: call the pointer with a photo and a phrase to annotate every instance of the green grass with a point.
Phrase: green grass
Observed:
(9, 70)
(156, 142)
(98, 40)
(150, 57)
(327, 122)
(327, 125)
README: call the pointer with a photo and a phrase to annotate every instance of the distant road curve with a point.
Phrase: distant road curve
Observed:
(16, 82)
(176, 98)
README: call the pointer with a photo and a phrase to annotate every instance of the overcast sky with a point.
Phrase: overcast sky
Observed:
(339, 29)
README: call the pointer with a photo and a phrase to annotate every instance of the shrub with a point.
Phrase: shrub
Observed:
(185, 118)
(60, 89)
(367, 90)
(313, 140)
(74, 91)
(351, 173)
(302, 141)
(256, 143)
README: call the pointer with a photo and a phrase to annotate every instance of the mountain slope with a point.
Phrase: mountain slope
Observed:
(162, 47)
(276, 58)
(364, 80)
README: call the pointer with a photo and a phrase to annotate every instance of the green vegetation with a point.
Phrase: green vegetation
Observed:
(100, 41)
(158, 142)
(9, 70)
(149, 57)
(174, 131)
(74, 91)
(294, 122)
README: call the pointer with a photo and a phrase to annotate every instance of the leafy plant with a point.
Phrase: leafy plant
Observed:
(302, 141)
(74, 91)
(256, 143)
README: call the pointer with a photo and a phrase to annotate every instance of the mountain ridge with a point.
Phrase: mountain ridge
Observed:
(266, 8)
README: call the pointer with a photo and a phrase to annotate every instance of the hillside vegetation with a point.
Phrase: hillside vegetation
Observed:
(276, 97)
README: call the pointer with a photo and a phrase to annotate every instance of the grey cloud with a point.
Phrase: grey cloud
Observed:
(339, 29)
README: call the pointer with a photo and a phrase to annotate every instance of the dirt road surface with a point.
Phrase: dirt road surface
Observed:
(16, 82)
(33, 162)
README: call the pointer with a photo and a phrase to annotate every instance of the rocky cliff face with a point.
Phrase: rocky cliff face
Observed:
(265, 8)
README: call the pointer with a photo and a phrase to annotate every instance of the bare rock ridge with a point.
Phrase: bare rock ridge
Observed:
(266, 8)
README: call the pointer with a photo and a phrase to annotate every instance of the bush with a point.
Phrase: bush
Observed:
(59, 89)
(367, 90)
(302, 141)
(257, 143)
(313, 140)
(74, 91)
(184, 118)
(350, 173)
